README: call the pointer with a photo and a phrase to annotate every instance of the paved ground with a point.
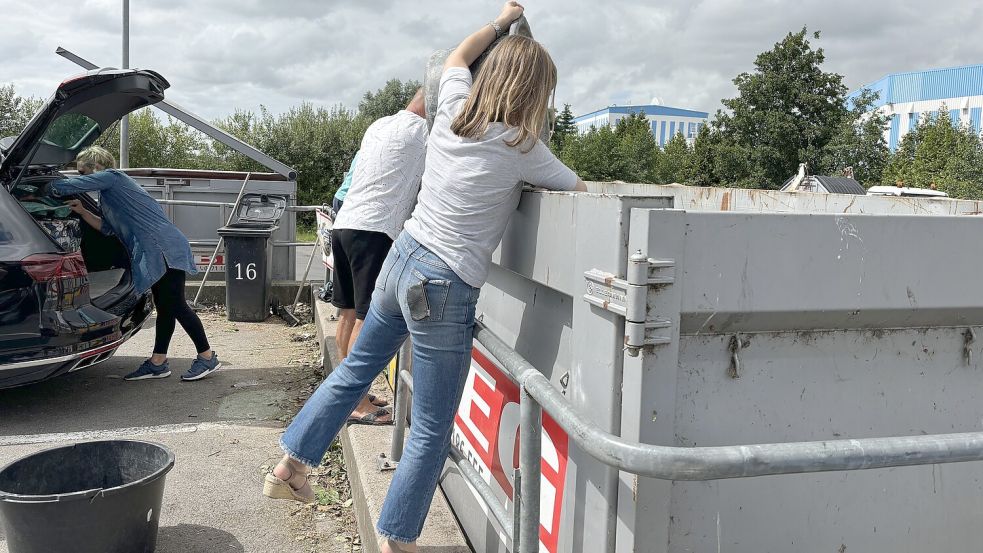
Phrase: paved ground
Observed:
(317, 268)
(223, 429)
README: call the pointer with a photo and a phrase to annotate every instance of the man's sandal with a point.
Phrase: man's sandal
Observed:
(281, 489)
(372, 419)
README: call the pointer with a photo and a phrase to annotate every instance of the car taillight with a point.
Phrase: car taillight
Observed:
(45, 267)
(74, 78)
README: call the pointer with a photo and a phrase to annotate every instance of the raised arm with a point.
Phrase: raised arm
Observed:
(100, 180)
(479, 41)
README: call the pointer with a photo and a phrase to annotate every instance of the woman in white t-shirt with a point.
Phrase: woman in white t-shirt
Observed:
(482, 146)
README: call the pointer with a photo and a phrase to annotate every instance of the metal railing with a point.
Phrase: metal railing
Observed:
(663, 462)
(199, 203)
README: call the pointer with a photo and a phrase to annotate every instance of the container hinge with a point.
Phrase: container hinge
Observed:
(629, 297)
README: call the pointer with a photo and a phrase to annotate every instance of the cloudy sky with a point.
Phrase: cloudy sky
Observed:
(220, 55)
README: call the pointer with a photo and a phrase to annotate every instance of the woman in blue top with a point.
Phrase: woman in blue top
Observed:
(160, 256)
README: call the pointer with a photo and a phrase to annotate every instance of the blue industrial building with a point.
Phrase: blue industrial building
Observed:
(906, 97)
(664, 121)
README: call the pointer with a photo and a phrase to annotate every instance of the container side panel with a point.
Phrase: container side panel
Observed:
(849, 326)
(830, 385)
(695, 198)
(748, 272)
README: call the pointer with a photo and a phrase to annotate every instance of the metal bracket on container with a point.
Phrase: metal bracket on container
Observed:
(968, 337)
(628, 297)
(734, 347)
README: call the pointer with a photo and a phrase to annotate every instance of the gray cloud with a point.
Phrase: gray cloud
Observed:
(223, 54)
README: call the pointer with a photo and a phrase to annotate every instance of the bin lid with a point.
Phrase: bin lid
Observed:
(261, 208)
(247, 230)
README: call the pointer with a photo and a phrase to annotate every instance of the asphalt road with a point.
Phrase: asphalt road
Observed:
(223, 430)
(317, 267)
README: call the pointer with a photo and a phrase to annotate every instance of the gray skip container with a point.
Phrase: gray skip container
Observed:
(769, 317)
(199, 222)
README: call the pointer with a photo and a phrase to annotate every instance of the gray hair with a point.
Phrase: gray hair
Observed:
(95, 158)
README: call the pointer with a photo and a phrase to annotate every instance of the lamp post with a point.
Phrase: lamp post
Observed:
(124, 127)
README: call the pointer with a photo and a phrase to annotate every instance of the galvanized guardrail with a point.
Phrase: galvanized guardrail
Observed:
(662, 462)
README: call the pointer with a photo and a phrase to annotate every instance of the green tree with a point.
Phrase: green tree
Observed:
(674, 165)
(318, 142)
(939, 153)
(635, 150)
(716, 160)
(15, 110)
(627, 152)
(591, 155)
(702, 166)
(858, 143)
(786, 111)
(732, 165)
(387, 100)
(164, 143)
(563, 129)
(156, 142)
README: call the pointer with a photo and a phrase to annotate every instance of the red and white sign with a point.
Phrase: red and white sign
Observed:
(324, 225)
(201, 262)
(486, 430)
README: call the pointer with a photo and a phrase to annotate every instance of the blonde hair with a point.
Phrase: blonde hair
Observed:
(513, 87)
(95, 157)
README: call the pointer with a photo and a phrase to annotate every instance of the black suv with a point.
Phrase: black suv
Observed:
(66, 297)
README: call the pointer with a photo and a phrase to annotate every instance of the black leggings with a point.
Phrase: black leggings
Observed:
(171, 306)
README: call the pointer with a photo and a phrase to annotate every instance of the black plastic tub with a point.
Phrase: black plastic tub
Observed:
(93, 497)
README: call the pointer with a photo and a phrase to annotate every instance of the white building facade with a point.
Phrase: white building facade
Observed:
(906, 97)
(664, 121)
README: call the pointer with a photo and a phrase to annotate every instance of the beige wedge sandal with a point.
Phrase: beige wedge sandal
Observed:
(398, 547)
(281, 489)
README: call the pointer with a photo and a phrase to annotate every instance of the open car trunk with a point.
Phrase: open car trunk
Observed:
(77, 114)
(106, 259)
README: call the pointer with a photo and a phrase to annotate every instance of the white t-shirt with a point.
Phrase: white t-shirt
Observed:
(386, 177)
(471, 187)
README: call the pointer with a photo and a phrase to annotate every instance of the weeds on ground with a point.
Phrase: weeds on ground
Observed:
(332, 518)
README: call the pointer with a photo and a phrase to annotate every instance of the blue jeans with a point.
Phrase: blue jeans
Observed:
(416, 294)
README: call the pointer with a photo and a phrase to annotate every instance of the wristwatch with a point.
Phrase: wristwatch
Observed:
(497, 27)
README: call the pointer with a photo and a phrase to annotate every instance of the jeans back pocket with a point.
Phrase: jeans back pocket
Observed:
(426, 298)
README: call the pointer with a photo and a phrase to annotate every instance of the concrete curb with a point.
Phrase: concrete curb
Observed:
(362, 446)
(325, 321)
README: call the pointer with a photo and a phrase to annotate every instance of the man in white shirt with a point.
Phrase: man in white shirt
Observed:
(385, 184)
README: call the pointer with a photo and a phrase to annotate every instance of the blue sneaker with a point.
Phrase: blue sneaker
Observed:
(201, 368)
(148, 370)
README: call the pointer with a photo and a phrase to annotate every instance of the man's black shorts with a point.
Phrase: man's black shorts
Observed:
(358, 258)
